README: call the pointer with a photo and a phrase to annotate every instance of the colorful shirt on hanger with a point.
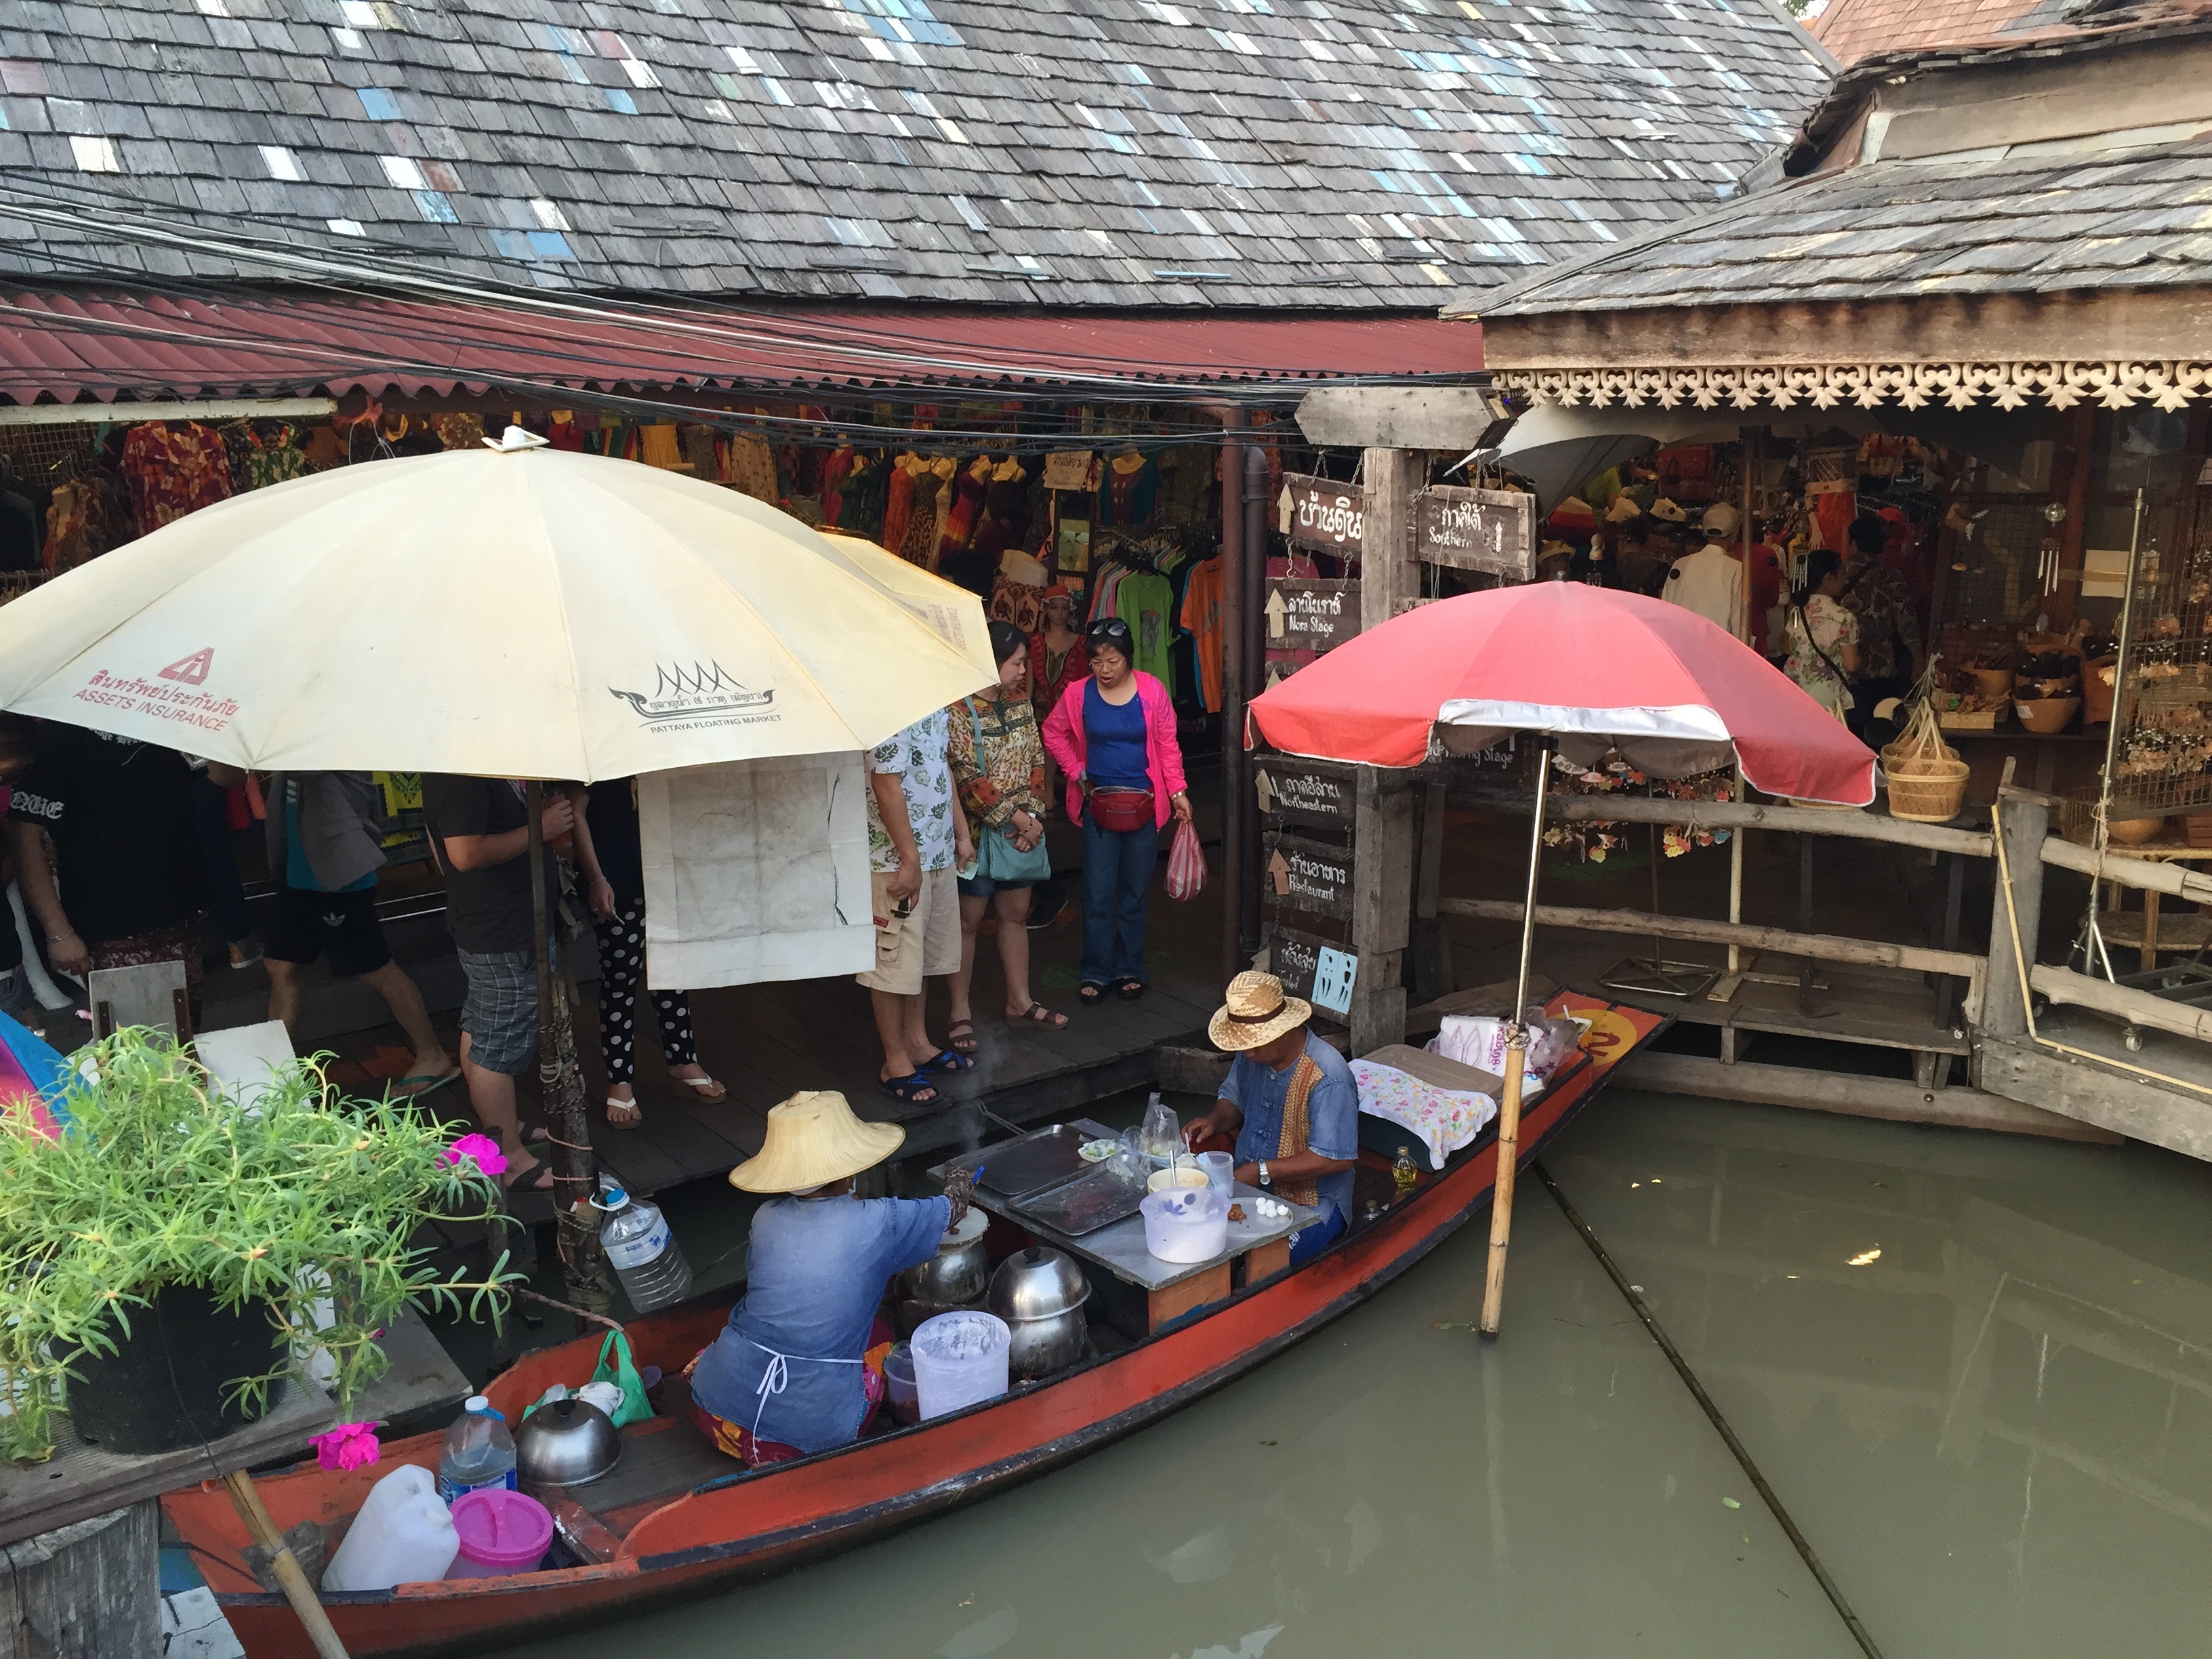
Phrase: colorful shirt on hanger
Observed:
(171, 472)
(274, 461)
(1201, 620)
(1147, 603)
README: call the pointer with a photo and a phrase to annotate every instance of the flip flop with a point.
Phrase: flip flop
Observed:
(540, 1174)
(952, 1036)
(637, 1114)
(910, 1089)
(948, 1060)
(426, 1083)
(1037, 1014)
(709, 1090)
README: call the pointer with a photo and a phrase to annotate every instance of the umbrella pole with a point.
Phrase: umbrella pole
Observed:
(1516, 1052)
(574, 1178)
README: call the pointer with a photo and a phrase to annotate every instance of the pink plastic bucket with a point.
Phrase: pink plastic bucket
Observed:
(502, 1532)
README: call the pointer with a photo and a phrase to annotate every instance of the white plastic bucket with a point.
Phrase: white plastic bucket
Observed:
(1184, 1225)
(402, 1536)
(945, 1378)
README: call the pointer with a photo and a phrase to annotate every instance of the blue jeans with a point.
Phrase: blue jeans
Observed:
(1318, 1238)
(1117, 881)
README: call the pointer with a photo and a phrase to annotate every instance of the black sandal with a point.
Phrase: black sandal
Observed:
(952, 1036)
(1129, 989)
(948, 1060)
(1090, 991)
(1037, 1014)
(913, 1090)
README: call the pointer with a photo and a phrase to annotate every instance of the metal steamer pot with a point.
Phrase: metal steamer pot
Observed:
(958, 1272)
(565, 1443)
(1040, 1293)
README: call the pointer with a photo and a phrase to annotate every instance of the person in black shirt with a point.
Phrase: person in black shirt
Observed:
(480, 835)
(618, 906)
(125, 885)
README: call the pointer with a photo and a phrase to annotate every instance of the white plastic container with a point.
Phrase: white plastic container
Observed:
(402, 1535)
(959, 1358)
(644, 1257)
(1183, 1225)
(478, 1451)
(1220, 1178)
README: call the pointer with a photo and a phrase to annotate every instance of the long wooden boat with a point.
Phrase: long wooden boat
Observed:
(677, 1519)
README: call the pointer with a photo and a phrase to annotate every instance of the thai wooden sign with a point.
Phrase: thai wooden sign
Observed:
(1305, 614)
(1305, 791)
(1492, 529)
(1299, 874)
(1321, 515)
(1314, 969)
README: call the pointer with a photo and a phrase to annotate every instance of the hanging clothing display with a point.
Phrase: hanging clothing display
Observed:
(931, 489)
(1147, 603)
(1200, 619)
(752, 468)
(898, 505)
(172, 471)
(273, 460)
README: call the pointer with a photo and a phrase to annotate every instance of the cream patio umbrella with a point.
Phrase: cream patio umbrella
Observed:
(522, 613)
(514, 611)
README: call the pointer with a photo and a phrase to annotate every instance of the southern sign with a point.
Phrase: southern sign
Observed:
(1306, 792)
(1305, 615)
(1321, 515)
(1306, 875)
(1492, 529)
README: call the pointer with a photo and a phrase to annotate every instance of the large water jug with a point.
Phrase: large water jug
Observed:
(363, 1558)
(643, 1254)
(402, 1535)
(479, 1452)
(959, 1358)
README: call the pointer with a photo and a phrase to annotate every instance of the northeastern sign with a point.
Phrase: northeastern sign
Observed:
(1492, 529)
(1299, 874)
(1320, 514)
(1311, 614)
(1306, 792)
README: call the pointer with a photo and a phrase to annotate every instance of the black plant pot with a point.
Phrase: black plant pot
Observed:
(163, 1387)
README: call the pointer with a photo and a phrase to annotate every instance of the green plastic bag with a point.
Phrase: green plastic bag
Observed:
(635, 1408)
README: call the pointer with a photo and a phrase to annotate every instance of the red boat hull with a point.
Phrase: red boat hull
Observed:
(756, 1522)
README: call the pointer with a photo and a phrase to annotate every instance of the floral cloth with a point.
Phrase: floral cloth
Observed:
(173, 472)
(1445, 1119)
(1822, 626)
(275, 460)
(1881, 602)
(919, 755)
(1007, 776)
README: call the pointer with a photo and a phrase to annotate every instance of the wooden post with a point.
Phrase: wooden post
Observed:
(2024, 821)
(1430, 940)
(1236, 873)
(1389, 576)
(1382, 888)
(88, 1590)
(1255, 681)
(297, 1591)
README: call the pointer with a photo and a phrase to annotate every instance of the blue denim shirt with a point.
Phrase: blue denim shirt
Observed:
(1332, 1115)
(815, 1273)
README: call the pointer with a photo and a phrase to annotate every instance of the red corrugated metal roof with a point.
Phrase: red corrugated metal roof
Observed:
(69, 346)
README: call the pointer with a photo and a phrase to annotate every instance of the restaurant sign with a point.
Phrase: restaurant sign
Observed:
(1307, 875)
(1321, 515)
(1491, 529)
(1305, 614)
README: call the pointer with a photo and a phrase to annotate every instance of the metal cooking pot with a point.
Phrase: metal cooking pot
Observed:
(958, 1272)
(566, 1442)
(1036, 1284)
(1045, 1347)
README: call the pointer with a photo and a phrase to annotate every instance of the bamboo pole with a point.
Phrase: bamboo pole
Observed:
(294, 1582)
(1517, 1053)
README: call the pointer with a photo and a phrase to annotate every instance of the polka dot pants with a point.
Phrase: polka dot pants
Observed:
(621, 972)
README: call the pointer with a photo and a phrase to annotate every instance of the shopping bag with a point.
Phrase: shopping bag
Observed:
(1186, 864)
(635, 1408)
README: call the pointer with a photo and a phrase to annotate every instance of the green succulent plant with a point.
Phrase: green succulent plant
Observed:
(159, 1179)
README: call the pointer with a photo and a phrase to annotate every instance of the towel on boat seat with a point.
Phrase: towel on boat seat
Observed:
(1445, 1104)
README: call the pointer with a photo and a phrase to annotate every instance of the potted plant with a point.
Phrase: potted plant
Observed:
(163, 1256)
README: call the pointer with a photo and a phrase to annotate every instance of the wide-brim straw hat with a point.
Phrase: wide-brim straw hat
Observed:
(814, 1139)
(1256, 1012)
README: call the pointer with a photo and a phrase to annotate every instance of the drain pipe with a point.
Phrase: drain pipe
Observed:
(1238, 808)
(1256, 658)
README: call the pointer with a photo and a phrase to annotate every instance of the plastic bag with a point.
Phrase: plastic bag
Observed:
(635, 1408)
(1186, 864)
(1163, 1131)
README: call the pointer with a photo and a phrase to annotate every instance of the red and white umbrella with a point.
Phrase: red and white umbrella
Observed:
(1676, 694)
(1592, 669)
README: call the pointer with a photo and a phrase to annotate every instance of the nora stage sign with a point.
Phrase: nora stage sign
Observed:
(1305, 614)
(1320, 514)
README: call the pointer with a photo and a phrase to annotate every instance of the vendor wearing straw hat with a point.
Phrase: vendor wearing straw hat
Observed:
(799, 1368)
(1289, 1102)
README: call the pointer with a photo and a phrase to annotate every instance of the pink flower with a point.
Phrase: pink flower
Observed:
(481, 1149)
(348, 1446)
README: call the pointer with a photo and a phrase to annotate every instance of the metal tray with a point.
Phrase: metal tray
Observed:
(1035, 1163)
(1076, 1207)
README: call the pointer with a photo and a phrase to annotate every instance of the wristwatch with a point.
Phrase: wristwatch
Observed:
(1266, 1180)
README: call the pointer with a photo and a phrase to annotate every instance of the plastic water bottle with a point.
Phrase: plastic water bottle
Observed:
(478, 1453)
(644, 1255)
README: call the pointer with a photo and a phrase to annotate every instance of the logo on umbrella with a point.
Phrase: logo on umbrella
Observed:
(192, 669)
(689, 695)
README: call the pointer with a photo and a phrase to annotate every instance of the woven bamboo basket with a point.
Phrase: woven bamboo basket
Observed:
(1928, 791)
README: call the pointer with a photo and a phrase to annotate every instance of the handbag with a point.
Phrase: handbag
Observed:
(635, 1408)
(1123, 810)
(997, 858)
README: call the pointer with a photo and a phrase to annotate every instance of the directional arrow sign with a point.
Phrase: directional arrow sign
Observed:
(1265, 786)
(1275, 609)
(1278, 867)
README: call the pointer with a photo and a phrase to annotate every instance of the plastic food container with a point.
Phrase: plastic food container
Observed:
(899, 1396)
(501, 1532)
(959, 1358)
(1184, 1225)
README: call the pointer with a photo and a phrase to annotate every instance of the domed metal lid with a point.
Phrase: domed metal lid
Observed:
(1036, 1284)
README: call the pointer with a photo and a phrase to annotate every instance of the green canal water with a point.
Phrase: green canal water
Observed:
(1976, 1370)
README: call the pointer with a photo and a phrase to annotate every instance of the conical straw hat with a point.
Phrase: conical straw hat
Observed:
(814, 1139)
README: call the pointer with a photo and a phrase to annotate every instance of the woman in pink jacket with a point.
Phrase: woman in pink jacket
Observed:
(1113, 736)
